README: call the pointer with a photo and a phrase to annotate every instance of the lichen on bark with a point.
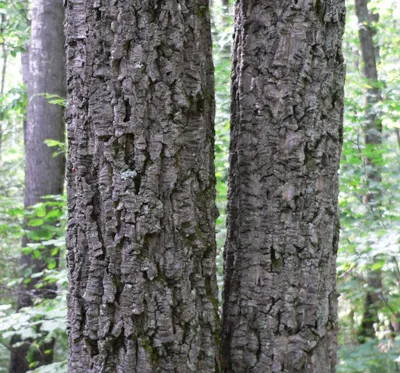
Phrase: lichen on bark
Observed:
(141, 187)
(280, 297)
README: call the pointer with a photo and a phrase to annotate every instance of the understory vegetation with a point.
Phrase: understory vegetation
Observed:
(368, 266)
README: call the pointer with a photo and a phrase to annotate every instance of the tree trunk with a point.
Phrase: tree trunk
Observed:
(44, 174)
(280, 297)
(4, 55)
(141, 188)
(373, 140)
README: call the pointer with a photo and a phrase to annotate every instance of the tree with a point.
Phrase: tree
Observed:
(141, 188)
(373, 160)
(44, 174)
(280, 297)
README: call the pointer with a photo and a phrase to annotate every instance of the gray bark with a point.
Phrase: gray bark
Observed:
(373, 125)
(280, 297)
(4, 56)
(44, 174)
(141, 188)
(373, 138)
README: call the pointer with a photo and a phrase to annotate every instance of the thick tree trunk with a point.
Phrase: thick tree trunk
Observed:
(373, 139)
(44, 174)
(141, 188)
(280, 297)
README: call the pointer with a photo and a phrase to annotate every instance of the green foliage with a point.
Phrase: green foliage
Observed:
(60, 367)
(222, 27)
(46, 318)
(61, 148)
(52, 99)
(371, 357)
(15, 26)
(370, 236)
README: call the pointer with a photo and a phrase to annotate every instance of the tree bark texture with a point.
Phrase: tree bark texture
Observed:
(280, 297)
(141, 187)
(44, 174)
(373, 139)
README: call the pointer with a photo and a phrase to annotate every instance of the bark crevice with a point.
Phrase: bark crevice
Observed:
(280, 297)
(142, 268)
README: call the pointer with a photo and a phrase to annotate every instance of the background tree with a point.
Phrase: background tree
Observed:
(141, 188)
(373, 159)
(12, 110)
(280, 298)
(369, 247)
(366, 244)
(44, 174)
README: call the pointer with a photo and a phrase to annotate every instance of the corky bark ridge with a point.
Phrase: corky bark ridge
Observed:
(141, 188)
(280, 297)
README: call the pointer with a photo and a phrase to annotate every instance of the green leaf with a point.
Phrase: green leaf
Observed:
(54, 214)
(52, 264)
(55, 251)
(26, 250)
(35, 222)
(36, 254)
(52, 143)
(41, 211)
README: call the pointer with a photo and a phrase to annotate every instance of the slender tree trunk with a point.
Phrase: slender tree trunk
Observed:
(44, 174)
(373, 140)
(4, 56)
(373, 125)
(141, 188)
(280, 297)
(397, 132)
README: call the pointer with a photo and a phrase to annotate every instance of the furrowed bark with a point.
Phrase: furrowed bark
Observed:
(44, 72)
(141, 188)
(280, 297)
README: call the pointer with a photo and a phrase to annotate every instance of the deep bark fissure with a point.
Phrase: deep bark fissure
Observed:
(140, 240)
(280, 297)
